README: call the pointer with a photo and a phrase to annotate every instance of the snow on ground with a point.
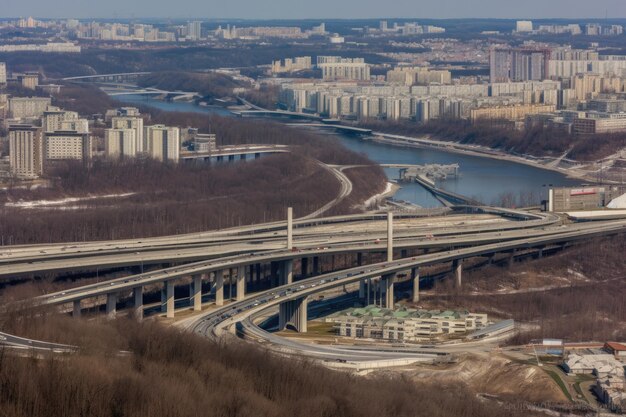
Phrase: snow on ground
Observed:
(373, 199)
(618, 203)
(61, 202)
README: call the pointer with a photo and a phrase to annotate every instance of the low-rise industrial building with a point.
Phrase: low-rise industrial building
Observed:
(616, 349)
(405, 324)
(584, 198)
(601, 365)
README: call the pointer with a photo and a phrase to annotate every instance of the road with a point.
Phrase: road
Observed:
(15, 342)
(342, 246)
(212, 324)
(424, 232)
(344, 191)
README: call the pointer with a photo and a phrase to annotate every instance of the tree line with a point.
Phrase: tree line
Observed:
(166, 373)
(536, 141)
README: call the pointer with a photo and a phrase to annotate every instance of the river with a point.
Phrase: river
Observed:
(484, 179)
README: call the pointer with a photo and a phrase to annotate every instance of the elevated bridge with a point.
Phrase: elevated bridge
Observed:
(277, 114)
(340, 128)
(118, 77)
(231, 153)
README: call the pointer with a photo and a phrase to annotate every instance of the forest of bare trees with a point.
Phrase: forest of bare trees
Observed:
(168, 199)
(207, 84)
(165, 199)
(167, 374)
(535, 141)
(586, 301)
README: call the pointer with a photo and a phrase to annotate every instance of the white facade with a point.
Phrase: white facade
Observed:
(120, 142)
(163, 142)
(524, 26)
(25, 152)
(131, 122)
(22, 107)
(67, 145)
(3, 73)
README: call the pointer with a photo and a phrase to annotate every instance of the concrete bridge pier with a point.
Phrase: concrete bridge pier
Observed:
(241, 283)
(274, 273)
(76, 310)
(286, 272)
(163, 301)
(511, 259)
(169, 298)
(289, 228)
(196, 292)
(375, 291)
(293, 313)
(388, 281)
(138, 303)
(415, 278)
(457, 267)
(316, 265)
(111, 305)
(219, 288)
(304, 264)
(389, 236)
(362, 289)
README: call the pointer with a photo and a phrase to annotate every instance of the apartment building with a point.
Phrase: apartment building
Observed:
(25, 151)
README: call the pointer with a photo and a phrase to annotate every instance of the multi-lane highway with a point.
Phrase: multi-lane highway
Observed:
(456, 237)
(343, 230)
(212, 324)
(17, 342)
(419, 237)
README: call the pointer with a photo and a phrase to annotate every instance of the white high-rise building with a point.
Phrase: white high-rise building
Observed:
(25, 151)
(338, 68)
(53, 118)
(524, 26)
(163, 142)
(69, 145)
(3, 73)
(194, 30)
(131, 122)
(120, 142)
(76, 125)
(23, 107)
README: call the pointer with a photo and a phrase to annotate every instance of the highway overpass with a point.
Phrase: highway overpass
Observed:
(365, 231)
(282, 261)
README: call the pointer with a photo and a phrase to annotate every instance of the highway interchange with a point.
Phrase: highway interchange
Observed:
(454, 237)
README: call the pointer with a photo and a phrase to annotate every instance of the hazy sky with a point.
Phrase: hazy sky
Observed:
(270, 9)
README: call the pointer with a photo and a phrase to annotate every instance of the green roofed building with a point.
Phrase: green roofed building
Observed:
(404, 324)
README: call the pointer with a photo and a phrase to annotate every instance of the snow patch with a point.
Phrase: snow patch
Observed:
(61, 202)
(618, 203)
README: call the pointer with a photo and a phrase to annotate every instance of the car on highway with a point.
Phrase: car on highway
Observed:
(3, 338)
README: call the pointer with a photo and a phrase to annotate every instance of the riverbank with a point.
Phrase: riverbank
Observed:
(550, 164)
(581, 172)
(486, 176)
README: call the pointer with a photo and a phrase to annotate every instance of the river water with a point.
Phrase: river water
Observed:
(484, 179)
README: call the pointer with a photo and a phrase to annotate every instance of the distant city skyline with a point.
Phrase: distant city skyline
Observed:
(321, 9)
